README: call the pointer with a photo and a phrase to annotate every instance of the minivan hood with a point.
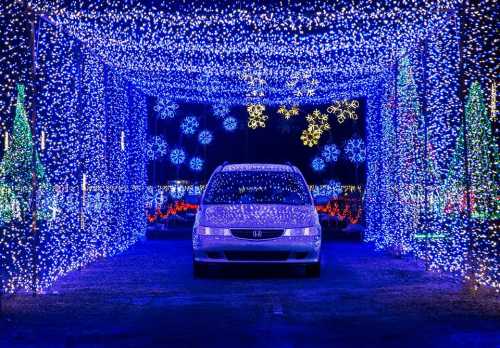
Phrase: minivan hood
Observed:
(258, 215)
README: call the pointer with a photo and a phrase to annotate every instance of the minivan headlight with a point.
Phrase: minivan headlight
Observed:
(213, 231)
(301, 231)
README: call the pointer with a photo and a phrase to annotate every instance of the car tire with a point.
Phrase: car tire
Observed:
(313, 270)
(199, 269)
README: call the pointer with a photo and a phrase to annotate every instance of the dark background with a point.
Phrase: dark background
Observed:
(278, 142)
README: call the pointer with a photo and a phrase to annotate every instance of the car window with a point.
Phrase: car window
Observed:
(257, 187)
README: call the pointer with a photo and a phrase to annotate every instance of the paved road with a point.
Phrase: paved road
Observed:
(148, 297)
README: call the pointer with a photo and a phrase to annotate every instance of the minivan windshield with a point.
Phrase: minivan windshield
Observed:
(257, 187)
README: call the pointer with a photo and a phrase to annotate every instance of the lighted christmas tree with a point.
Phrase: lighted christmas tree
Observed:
(482, 164)
(16, 168)
(411, 154)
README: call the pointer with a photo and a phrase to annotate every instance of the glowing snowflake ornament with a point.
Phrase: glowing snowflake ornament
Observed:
(318, 123)
(157, 148)
(205, 137)
(303, 84)
(318, 164)
(230, 124)
(330, 153)
(310, 136)
(355, 150)
(344, 109)
(166, 109)
(189, 125)
(256, 117)
(196, 164)
(334, 188)
(177, 156)
(220, 110)
(288, 113)
(177, 191)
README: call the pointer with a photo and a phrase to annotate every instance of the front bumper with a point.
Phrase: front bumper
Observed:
(229, 249)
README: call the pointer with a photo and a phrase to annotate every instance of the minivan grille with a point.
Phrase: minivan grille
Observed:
(256, 233)
(257, 255)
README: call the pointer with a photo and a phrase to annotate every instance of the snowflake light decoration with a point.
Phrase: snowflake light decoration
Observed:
(288, 113)
(196, 164)
(154, 197)
(318, 123)
(189, 125)
(253, 75)
(256, 117)
(177, 191)
(318, 164)
(303, 84)
(334, 188)
(195, 190)
(156, 148)
(205, 137)
(344, 109)
(355, 150)
(165, 108)
(330, 153)
(230, 124)
(310, 136)
(177, 156)
(220, 110)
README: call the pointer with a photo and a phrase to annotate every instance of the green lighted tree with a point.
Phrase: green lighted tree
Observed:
(483, 159)
(16, 168)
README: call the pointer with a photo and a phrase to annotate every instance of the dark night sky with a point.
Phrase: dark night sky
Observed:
(279, 142)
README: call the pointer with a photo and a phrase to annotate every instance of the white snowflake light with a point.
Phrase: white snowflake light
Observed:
(230, 124)
(330, 153)
(166, 109)
(177, 156)
(189, 125)
(205, 137)
(157, 148)
(355, 150)
(220, 110)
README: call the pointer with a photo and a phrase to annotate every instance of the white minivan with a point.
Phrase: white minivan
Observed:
(257, 213)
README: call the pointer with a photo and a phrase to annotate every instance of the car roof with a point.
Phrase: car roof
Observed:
(270, 167)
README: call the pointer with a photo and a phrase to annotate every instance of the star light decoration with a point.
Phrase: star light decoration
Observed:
(256, 117)
(344, 109)
(165, 108)
(157, 148)
(355, 150)
(205, 137)
(196, 164)
(288, 113)
(317, 124)
(177, 156)
(189, 125)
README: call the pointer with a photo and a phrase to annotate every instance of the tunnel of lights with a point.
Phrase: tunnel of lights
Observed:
(81, 73)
